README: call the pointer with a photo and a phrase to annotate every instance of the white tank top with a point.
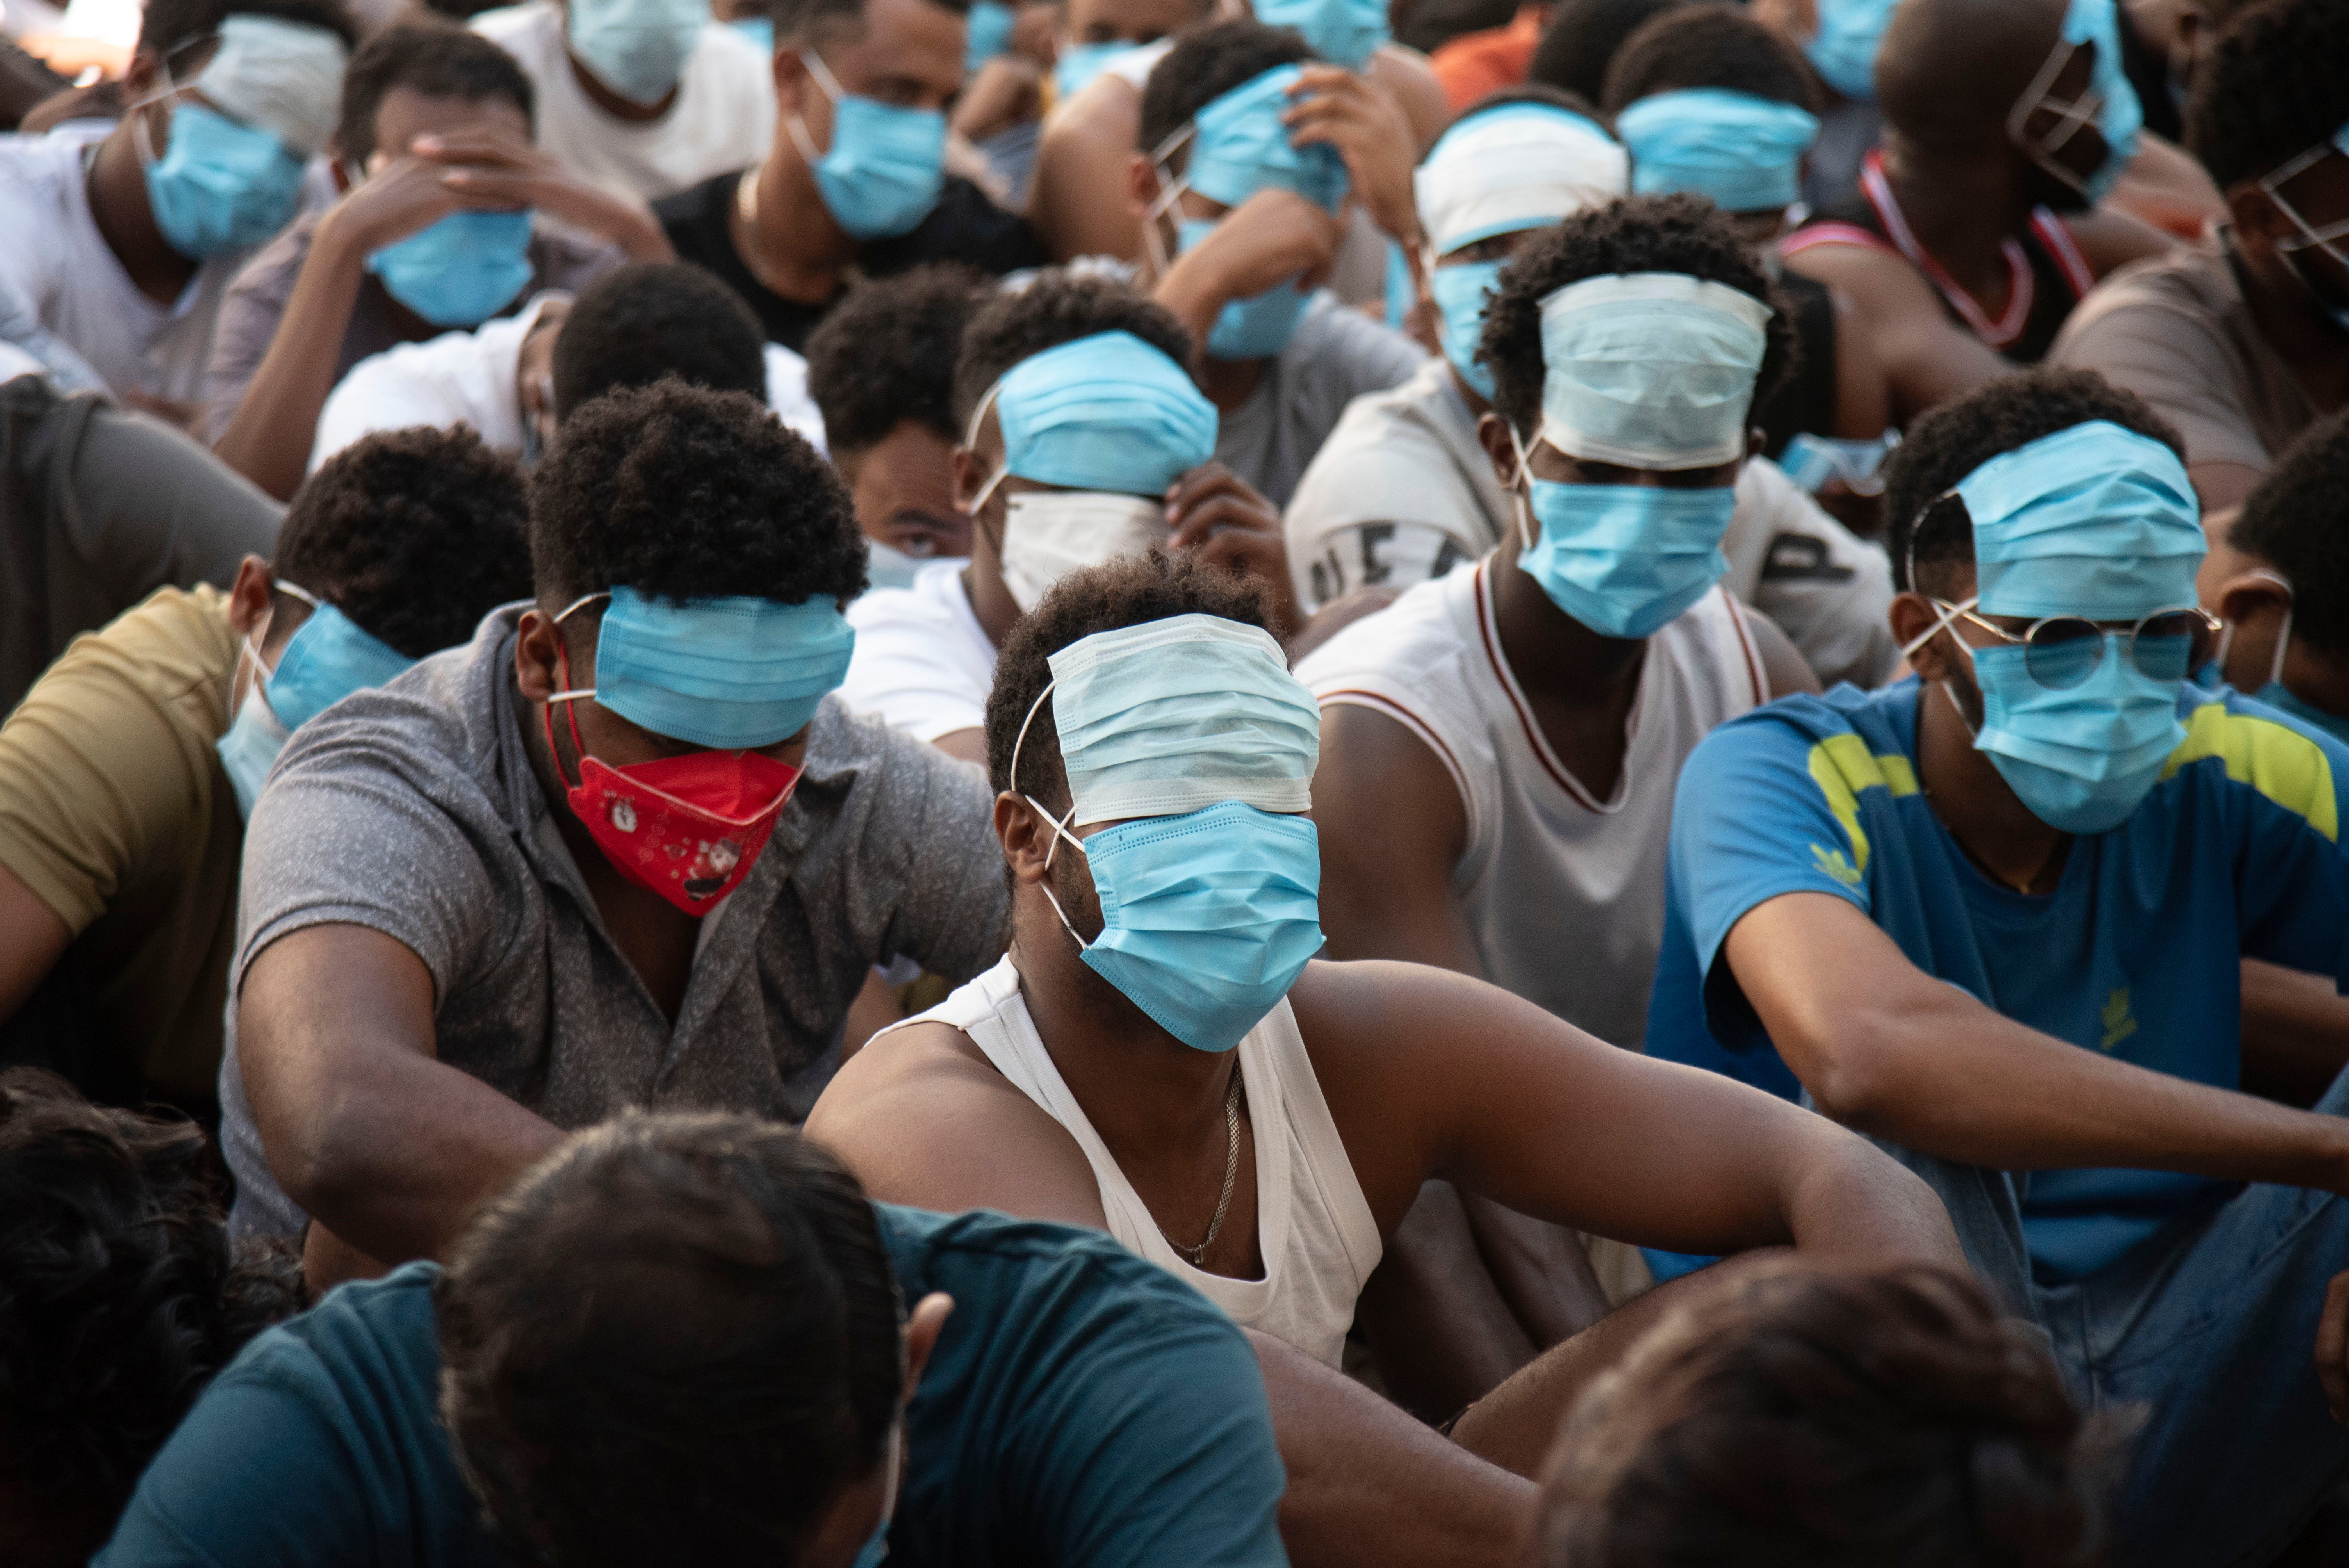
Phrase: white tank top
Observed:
(1314, 1228)
(1564, 893)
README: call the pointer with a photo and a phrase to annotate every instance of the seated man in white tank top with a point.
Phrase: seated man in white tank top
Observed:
(1158, 1057)
(1500, 746)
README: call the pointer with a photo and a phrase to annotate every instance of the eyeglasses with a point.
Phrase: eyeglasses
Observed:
(2061, 651)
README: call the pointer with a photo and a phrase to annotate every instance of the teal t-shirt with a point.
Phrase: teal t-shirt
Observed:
(2236, 852)
(1081, 1406)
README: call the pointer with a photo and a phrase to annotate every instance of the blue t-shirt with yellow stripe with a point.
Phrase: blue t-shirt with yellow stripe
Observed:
(2236, 852)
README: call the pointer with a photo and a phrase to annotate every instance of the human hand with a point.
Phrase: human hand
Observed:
(491, 167)
(1215, 511)
(1274, 236)
(2333, 1347)
(1353, 115)
(400, 196)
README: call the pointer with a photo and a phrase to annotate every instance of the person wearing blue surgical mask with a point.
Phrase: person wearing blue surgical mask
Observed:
(117, 244)
(2000, 915)
(436, 231)
(1248, 158)
(128, 772)
(1159, 1054)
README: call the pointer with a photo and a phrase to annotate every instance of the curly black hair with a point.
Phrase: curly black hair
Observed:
(1676, 234)
(1537, 93)
(886, 354)
(120, 1299)
(1127, 592)
(165, 24)
(1708, 46)
(2275, 84)
(679, 493)
(1056, 308)
(818, 20)
(1581, 40)
(415, 534)
(431, 56)
(1928, 525)
(1205, 63)
(2293, 521)
(650, 319)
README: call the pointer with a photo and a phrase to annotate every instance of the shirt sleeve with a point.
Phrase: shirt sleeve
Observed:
(2173, 360)
(904, 669)
(151, 507)
(249, 313)
(378, 394)
(2293, 874)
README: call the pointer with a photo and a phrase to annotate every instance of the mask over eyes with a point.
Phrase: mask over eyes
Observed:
(1745, 153)
(328, 658)
(1843, 50)
(1343, 32)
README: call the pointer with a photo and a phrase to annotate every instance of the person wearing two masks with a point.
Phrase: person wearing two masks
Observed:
(436, 231)
(1241, 218)
(117, 243)
(2001, 913)
(1085, 440)
(1170, 1064)
(131, 770)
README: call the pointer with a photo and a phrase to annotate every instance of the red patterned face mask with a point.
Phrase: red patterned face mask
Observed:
(688, 827)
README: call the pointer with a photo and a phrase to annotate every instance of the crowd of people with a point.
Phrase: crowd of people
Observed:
(1176, 781)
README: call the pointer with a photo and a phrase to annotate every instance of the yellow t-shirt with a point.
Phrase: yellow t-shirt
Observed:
(116, 812)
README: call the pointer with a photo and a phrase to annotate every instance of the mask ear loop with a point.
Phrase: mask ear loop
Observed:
(1949, 612)
(568, 694)
(1170, 190)
(1059, 825)
(820, 74)
(970, 445)
(2071, 115)
(1522, 491)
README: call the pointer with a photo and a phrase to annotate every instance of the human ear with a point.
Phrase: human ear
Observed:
(1027, 843)
(1493, 435)
(538, 656)
(923, 1326)
(1912, 616)
(1141, 185)
(249, 597)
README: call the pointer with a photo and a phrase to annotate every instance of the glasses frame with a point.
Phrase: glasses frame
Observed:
(2210, 624)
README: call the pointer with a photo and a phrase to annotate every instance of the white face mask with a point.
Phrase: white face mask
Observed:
(1047, 534)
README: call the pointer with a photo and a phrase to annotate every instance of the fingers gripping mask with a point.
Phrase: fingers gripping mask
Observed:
(1210, 899)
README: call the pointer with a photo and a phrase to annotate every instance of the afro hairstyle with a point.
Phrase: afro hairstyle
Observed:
(2275, 84)
(886, 354)
(2293, 521)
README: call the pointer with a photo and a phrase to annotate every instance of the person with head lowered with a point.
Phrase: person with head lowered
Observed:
(1995, 917)
(690, 1339)
(619, 850)
(1160, 1057)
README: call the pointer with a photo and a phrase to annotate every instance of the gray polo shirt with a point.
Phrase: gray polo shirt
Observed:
(412, 808)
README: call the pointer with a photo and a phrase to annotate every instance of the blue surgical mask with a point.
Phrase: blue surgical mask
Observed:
(759, 30)
(459, 271)
(638, 48)
(250, 747)
(2080, 756)
(219, 185)
(1105, 412)
(1079, 63)
(733, 673)
(1253, 328)
(885, 166)
(1462, 291)
(1624, 560)
(986, 33)
(1843, 50)
(1344, 32)
(2112, 103)
(1743, 151)
(328, 658)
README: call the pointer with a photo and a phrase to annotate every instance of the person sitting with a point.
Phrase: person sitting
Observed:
(1978, 227)
(100, 507)
(1833, 1416)
(643, 97)
(2277, 577)
(1084, 439)
(1709, 100)
(881, 369)
(129, 772)
(1271, 1118)
(620, 849)
(117, 240)
(1996, 915)
(435, 229)
(855, 182)
(2242, 342)
(1241, 224)
(123, 1300)
(691, 1338)
(514, 380)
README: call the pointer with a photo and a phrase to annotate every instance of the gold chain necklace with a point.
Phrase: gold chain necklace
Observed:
(1231, 1177)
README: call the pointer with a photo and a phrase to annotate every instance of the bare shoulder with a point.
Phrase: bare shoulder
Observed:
(1410, 79)
(1873, 279)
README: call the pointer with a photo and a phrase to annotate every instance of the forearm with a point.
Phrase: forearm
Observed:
(1192, 295)
(1370, 1486)
(2295, 1033)
(268, 439)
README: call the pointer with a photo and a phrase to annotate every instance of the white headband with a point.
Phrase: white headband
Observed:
(1650, 370)
(1519, 167)
(282, 77)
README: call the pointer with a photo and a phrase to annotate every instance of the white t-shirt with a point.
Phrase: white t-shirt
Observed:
(722, 119)
(1336, 355)
(66, 299)
(923, 663)
(469, 378)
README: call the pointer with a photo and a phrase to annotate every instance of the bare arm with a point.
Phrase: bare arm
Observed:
(1077, 203)
(386, 1146)
(1926, 358)
(1863, 395)
(1393, 827)
(32, 939)
(1782, 662)
(2110, 239)
(1886, 1048)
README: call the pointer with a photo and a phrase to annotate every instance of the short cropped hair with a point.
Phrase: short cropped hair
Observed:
(1708, 46)
(640, 323)
(2275, 84)
(1582, 38)
(120, 1299)
(804, 21)
(1834, 1417)
(2293, 521)
(1205, 63)
(1129, 591)
(165, 24)
(886, 354)
(415, 534)
(1927, 526)
(674, 1340)
(431, 56)
(1540, 93)
(1056, 308)
(1675, 234)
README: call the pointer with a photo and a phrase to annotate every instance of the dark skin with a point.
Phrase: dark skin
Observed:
(386, 1146)
(1890, 1051)
(1425, 1075)
(903, 486)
